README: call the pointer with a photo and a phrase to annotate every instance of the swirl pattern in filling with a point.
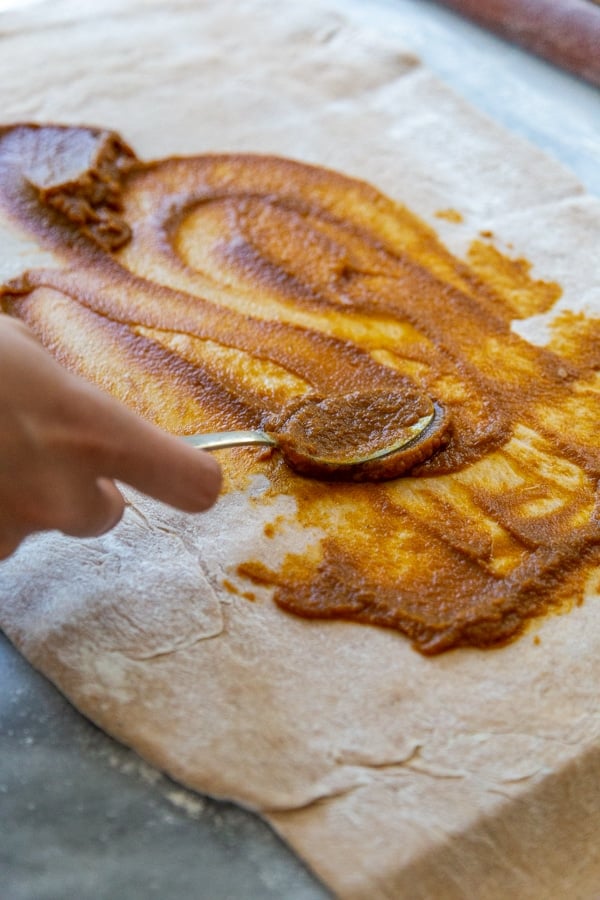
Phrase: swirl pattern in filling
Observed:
(213, 292)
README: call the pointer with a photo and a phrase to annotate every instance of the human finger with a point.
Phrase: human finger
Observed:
(149, 459)
(9, 543)
(92, 509)
(168, 469)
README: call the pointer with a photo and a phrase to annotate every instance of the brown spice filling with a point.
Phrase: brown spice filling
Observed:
(371, 436)
(250, 283)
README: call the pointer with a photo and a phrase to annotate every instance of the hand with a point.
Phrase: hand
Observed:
(63, 441)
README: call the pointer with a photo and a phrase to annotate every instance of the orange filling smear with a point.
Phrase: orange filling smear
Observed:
(209, 292)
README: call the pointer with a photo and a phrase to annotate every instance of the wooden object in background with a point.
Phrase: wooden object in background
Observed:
(565, 32)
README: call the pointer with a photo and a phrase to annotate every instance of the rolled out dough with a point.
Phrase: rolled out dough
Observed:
(472, 774)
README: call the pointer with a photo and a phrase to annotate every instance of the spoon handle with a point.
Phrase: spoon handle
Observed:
(222, 439)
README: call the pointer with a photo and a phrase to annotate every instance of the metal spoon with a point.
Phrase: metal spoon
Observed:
(402, 450)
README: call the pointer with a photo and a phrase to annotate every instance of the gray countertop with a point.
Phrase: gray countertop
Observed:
(82, 817)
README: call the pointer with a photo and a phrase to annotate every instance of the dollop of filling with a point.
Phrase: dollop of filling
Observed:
(361, 436)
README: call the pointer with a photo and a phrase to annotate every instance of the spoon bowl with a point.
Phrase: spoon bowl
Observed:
(363, 436)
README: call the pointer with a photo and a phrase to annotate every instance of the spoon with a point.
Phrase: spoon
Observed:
(363, 436)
